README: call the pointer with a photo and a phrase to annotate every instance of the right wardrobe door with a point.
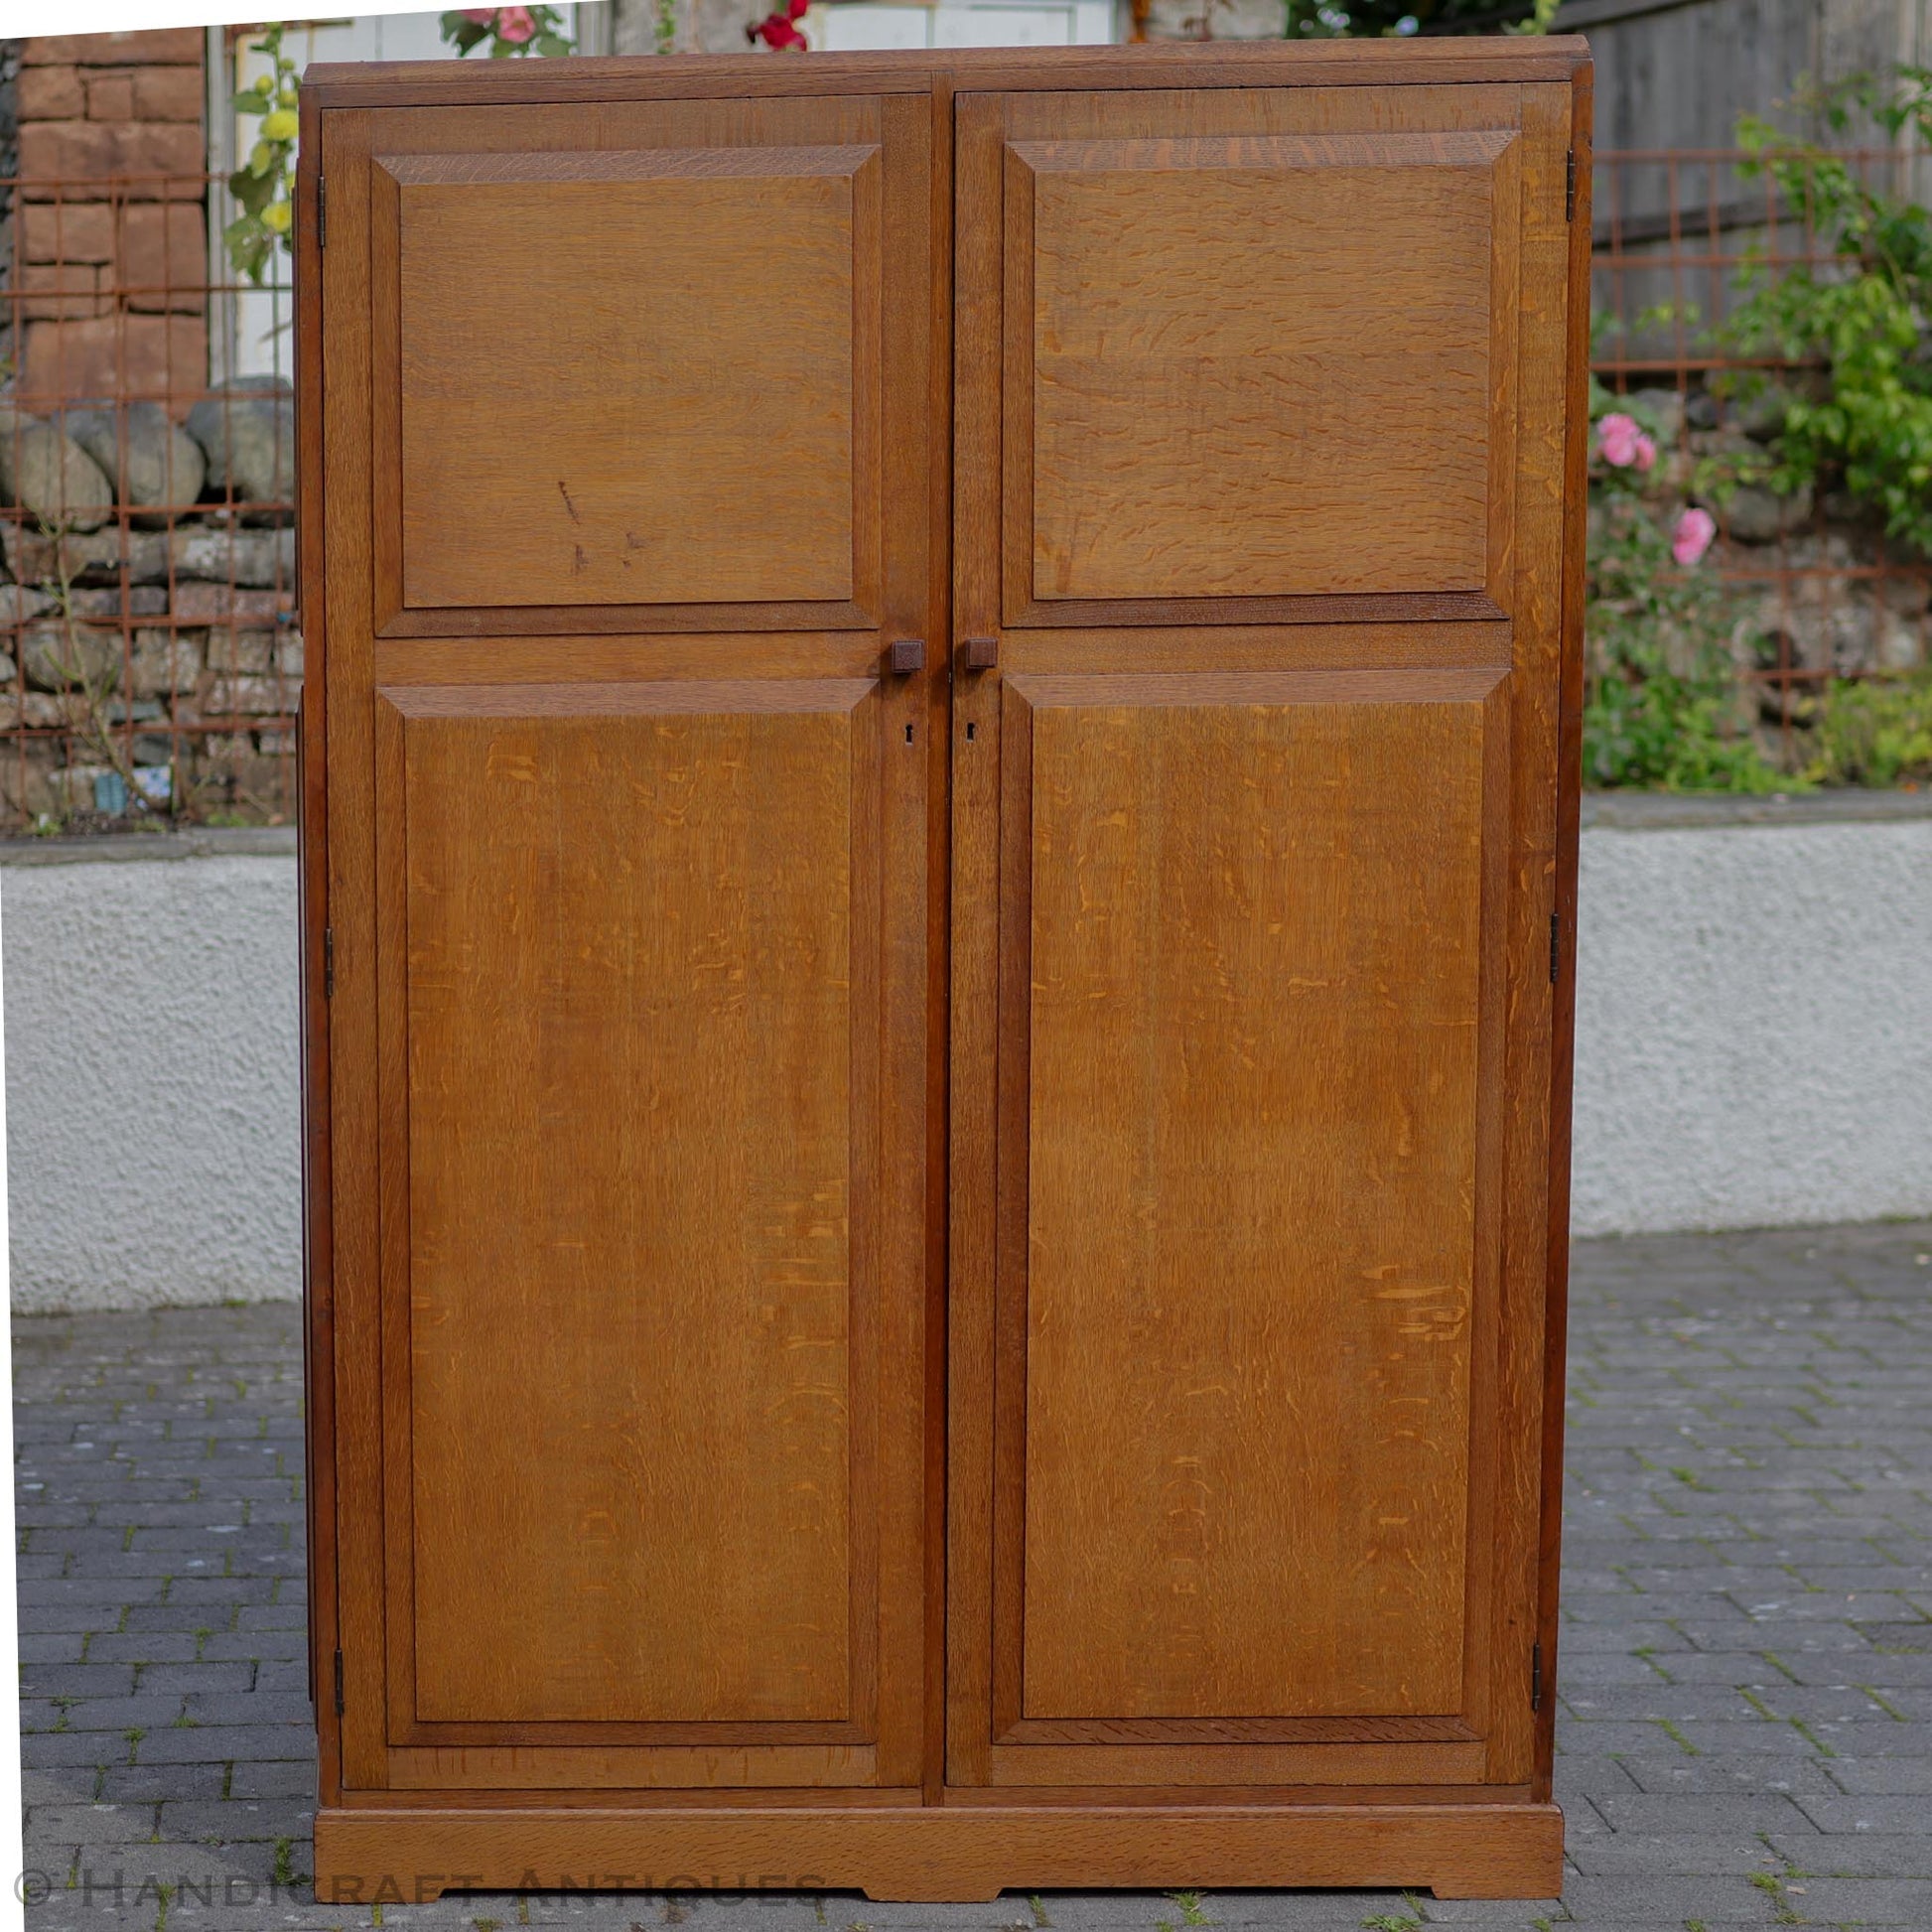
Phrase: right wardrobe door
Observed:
(1259, 523)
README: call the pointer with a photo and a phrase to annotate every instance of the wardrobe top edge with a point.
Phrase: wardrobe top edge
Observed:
(396, 83)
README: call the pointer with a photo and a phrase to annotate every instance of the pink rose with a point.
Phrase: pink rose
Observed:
(1618, 438)
(1646, 452)
(1691, 537)
(514, 24)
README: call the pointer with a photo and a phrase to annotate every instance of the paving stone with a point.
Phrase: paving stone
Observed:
(1858, 1854)
(1703, 1815)
(1748, 1508)
(1865, 1814)
(1866, 1902)
(1884, 1777)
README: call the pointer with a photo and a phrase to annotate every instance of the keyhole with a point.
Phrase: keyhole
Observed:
(972, 732)
(908, 733)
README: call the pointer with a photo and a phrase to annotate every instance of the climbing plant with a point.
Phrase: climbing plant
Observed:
(1862, 315)
(263, 183)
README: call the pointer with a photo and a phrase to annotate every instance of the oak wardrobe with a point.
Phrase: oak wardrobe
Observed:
(940, 767)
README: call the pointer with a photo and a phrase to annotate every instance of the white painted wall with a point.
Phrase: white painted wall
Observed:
(1753, 1044)
(1753, 1022)
(152, 1105)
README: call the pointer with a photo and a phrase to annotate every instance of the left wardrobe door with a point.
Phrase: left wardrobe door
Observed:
(627, 454)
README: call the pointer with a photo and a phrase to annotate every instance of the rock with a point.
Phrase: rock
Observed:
(231, 696)
(200, 602)
(1897, 645)
(1908, 596)
(140, 601)
(94, 558)
(44, 710)
(1842, 507)
(1751, 514)
(20, 604)
(166, 663)
(161, 463)
(1662, 411)
(55, 656)
(47, 472)
(223, 554)
(1701, 409)
(232, 652)
(1761, 415)
(248, 433)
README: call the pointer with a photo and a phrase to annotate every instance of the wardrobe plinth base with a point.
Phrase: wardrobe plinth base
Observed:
(964, 1853)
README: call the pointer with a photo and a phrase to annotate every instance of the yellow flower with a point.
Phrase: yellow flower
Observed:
(280, 125)
(276, 217)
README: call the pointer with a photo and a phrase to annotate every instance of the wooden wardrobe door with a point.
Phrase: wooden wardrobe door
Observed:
(628, 441)
(1258, 518)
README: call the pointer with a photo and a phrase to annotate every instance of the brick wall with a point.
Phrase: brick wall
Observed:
(109, 264)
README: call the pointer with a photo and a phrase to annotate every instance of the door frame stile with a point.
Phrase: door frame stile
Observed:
(318, 1329)
(1568, 814)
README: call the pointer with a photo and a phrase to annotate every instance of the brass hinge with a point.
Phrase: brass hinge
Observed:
(1536, 1676)
(1570, 185)
(1556, 946)
(339, 1706)
(321, 209)
(328, 962)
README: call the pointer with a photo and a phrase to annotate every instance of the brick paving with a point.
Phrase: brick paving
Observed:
(1745, 1727)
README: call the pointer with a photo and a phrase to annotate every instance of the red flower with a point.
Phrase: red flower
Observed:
(776, 30)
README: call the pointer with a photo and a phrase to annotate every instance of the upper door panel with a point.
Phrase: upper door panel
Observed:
(627, 372)
(1257, 361)
(715, 349)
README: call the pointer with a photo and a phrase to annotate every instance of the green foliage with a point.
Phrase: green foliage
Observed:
(262, 184)
(1863, 313)
(1875, 732)
(506, 32)
(1387, 19)
(1661, 699)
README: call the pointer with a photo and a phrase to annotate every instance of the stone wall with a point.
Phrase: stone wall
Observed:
(1817, 587)
(147, 621)
(112, 230)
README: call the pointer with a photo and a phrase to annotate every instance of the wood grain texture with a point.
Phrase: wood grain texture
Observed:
(641, 1051)
(1255, 976)
(654, 484)
(1212, 417)
(958, 1853)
